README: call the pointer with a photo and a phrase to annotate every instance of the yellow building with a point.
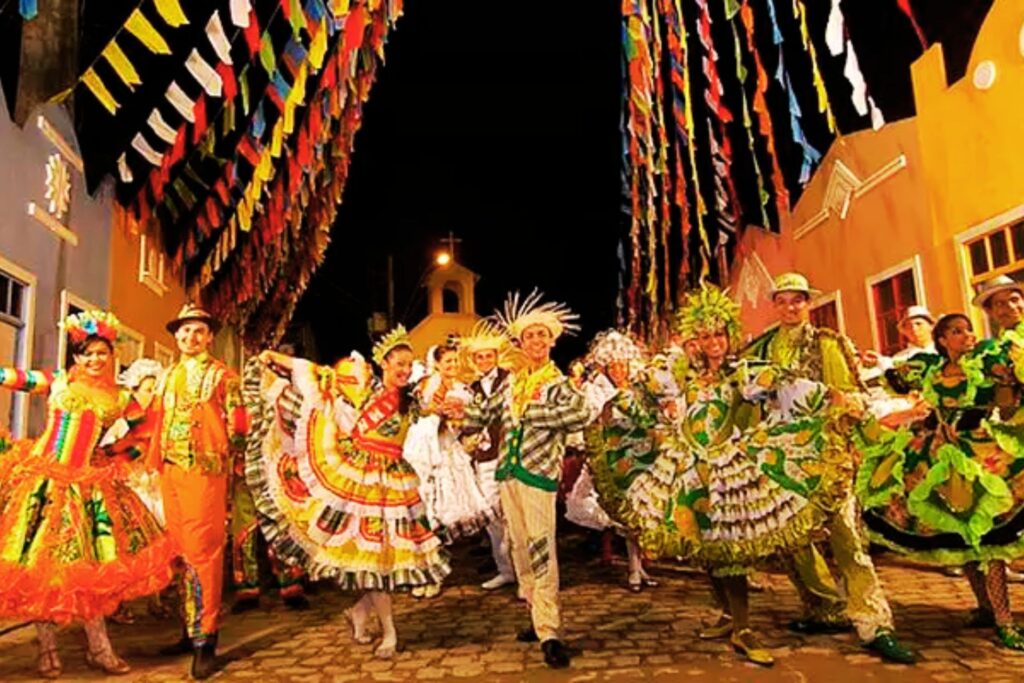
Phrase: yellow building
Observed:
(918, 212)
(451, 307)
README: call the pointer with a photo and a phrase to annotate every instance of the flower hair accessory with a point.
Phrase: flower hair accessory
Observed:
(520, 313)
(396, 338)
(709, 309)
(612, 345)
(81, 326)
(139, 370)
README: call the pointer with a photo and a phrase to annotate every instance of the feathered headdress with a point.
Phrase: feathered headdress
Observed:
(394, 339)
(520, 313)
(81, 326)
(612, 345)
(708, 309)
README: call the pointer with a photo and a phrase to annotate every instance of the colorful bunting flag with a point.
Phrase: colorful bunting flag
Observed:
(138, 25)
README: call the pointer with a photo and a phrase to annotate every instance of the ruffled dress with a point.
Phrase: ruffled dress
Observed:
(620, 445)
(455, 503)
(730, 489)
(949, 489)
(344, 505)
(75, 540)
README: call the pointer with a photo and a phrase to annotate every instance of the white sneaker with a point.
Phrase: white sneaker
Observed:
(497, 582)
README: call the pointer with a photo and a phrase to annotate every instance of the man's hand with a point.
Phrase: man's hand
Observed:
(869, 358)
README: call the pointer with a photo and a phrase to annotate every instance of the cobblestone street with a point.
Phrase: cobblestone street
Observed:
(467, 634)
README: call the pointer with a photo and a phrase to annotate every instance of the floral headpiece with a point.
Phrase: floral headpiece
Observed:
(520, 313)
(394, 339)
(709, 309)
(81, 326)
(612, 345)
(139, 370)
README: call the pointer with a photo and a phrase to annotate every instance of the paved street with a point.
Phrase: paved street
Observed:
(467, 634)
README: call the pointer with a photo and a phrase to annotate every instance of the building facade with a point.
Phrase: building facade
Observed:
(54, 249)
(920, 211)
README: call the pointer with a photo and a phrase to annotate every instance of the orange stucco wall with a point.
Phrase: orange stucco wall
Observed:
(964, 155)
(132, 302)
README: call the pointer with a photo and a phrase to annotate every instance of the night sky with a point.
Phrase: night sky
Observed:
(499, 122)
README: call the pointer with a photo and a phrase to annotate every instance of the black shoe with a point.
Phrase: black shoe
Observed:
(204, 660)
(980, 618)
(182, 647)
(555, 654)
(298, 602)
(813, 627)
(890, 649)
(245, 605)
(527, 635)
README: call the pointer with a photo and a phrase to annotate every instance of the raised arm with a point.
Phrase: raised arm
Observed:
(31, 381)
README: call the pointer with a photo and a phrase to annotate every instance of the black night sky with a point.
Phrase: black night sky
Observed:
(499, 122)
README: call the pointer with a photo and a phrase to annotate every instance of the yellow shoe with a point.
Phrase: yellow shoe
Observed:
(746, 643)
(719, 629)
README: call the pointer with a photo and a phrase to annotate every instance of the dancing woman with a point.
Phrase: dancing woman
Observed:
(728, 489)
(621, 441)
(455, 504)
(75, 540)
(345, 506)
(948, 489)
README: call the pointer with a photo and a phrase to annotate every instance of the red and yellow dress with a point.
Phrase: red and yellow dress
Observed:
(75, 540)
(345, 505)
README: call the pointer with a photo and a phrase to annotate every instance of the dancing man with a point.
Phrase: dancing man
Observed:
(537, 409)
(821, 355)
(200, 430)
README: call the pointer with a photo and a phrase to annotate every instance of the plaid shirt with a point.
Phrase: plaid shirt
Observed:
(533, 442)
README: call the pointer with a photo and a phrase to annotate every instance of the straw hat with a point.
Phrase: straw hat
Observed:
(917, 312)
(793, 282)
(989, 288)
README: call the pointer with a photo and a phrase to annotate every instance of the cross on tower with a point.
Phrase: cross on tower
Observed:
(450, 241)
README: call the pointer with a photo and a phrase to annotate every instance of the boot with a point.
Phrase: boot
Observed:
(556, 655)
(204, 659)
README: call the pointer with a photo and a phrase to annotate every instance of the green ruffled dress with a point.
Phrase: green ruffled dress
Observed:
(949, 489)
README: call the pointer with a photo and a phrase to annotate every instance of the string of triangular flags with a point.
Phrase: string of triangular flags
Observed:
(717, 166)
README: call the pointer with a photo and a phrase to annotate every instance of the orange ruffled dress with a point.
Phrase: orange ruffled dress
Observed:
(75, 540)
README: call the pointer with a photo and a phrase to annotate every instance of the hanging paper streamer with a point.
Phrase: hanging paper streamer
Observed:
(800, 14)
(138, 25)
(28, 9)
(904, 5)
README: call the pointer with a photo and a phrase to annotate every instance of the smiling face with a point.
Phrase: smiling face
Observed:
(1006, 308)
(957, 337)
(792, 308)
(193, 338)
(94, 360)
(485, 360)
(537, 342)
(714, 344)
(448, 364)
(397, 367)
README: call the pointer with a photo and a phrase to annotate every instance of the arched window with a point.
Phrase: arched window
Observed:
(449, 300)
